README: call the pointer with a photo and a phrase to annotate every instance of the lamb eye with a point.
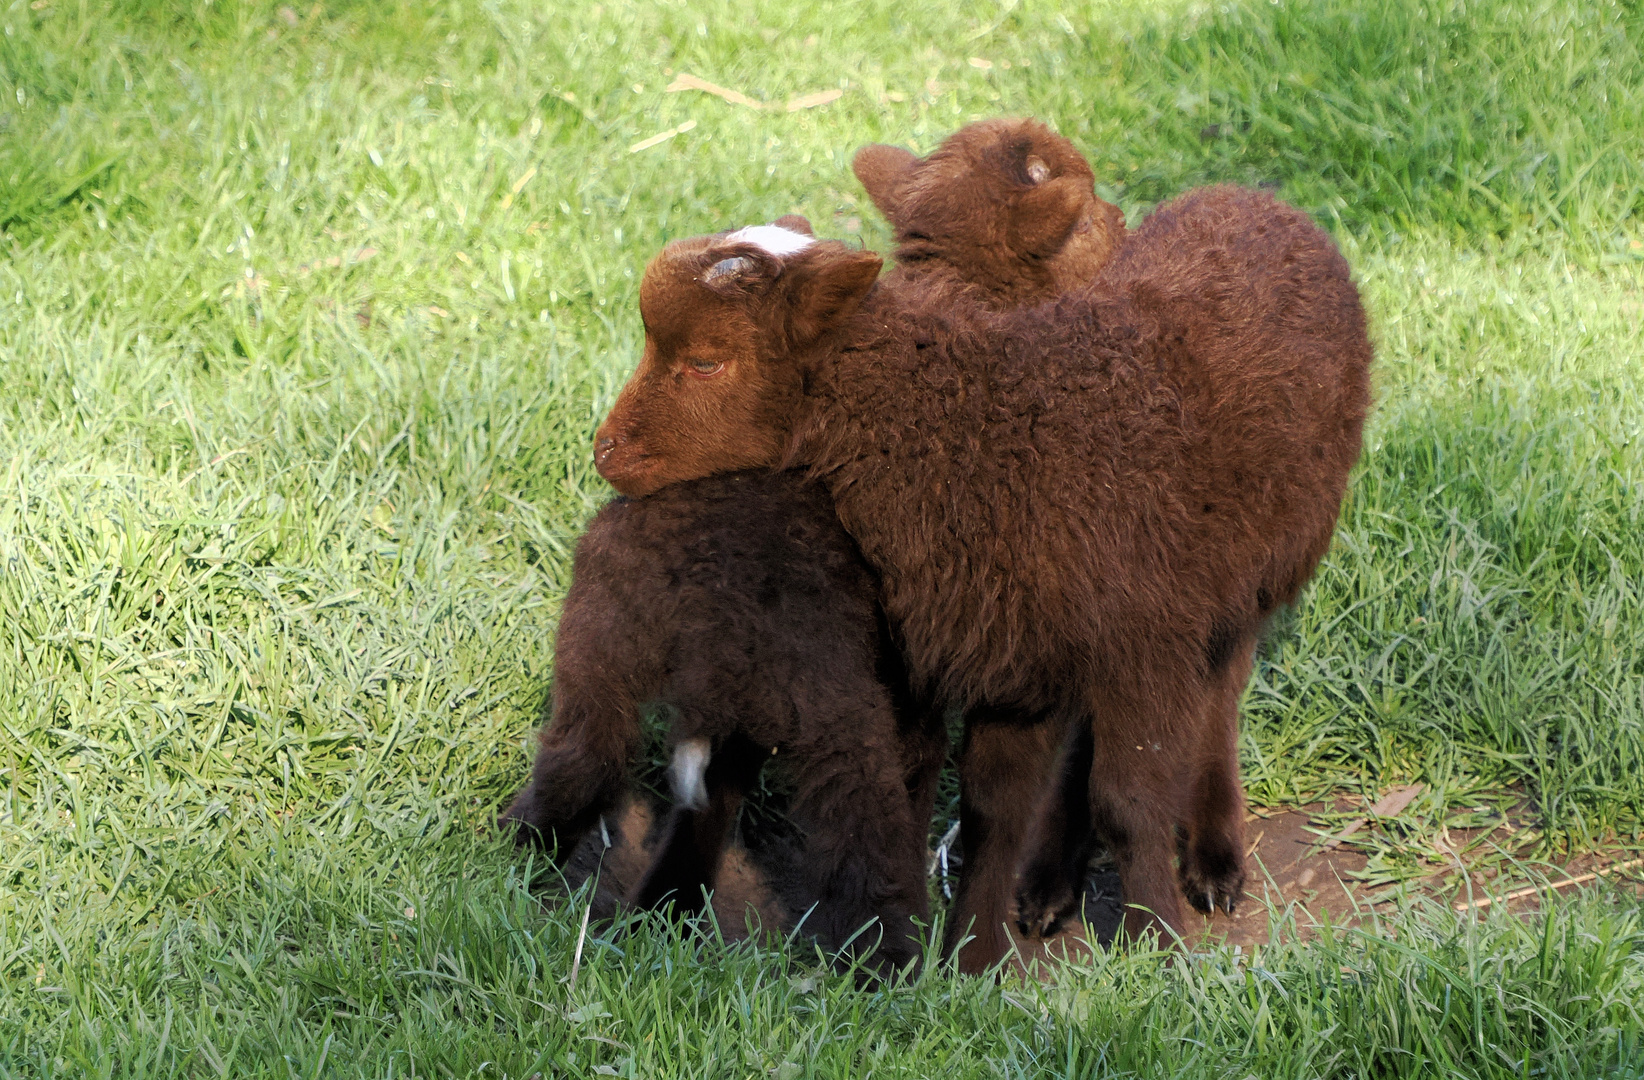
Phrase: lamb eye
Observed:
(705, 367)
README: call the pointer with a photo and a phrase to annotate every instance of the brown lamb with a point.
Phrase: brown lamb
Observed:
(1004, 212)
(991, 171)
(1084, 511)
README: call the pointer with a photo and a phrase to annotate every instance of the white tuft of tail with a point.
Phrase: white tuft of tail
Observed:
(773, 238)
(686, 774)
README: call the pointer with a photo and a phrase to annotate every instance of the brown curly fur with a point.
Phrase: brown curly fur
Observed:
(1083, 511)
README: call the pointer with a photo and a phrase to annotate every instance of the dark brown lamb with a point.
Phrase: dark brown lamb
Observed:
(739, 606)
(1083, 512)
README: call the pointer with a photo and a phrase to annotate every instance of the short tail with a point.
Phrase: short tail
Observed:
(687, 772)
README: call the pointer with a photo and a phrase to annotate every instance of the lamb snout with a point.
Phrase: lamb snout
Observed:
(606, 459)
(617, 456)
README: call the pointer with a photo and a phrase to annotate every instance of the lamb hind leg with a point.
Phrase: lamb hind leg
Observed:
(863, 863)
(581, 767)
(579, 773)
(1212, 858)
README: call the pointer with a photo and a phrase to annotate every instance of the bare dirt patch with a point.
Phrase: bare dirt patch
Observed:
(1293, 874)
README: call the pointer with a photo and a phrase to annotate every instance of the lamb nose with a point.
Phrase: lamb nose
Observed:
(603, 448)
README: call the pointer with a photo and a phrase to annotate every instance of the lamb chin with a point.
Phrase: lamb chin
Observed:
(632, 476)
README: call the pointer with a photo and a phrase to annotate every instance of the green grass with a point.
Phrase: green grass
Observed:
(307, 315)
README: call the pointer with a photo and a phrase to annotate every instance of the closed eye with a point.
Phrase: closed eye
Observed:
(704, 368)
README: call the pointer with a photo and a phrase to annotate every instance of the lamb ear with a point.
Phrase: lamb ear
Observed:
(1044, 216)
(738, 271)
(826, 288)
(883, 170)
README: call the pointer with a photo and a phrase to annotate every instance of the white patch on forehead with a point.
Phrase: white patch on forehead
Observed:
(773, 238)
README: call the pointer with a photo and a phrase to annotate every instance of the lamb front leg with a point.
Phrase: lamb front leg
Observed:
(923, 734)
(1050, 883)
(1005, 767)
(1137, 792)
